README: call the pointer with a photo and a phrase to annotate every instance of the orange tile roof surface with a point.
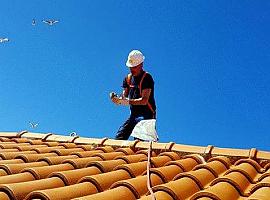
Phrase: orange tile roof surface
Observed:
(49, 166)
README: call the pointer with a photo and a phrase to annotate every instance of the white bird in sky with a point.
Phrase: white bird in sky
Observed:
(33, 22)
(73, 134)
(50, 21)
(33, 125)
(4, 40)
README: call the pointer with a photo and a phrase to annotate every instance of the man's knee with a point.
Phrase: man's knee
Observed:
(121, 136)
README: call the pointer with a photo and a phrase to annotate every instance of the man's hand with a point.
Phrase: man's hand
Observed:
(114, 98)
(124, 101)
(119, 100)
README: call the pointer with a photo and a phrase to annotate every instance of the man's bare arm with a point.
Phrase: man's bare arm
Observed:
(143, 100)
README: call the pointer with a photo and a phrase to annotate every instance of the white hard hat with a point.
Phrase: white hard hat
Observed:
(135, 57)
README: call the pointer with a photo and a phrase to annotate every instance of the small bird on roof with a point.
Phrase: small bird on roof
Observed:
(73, 134)
(33, 22)
(33, 125)
(2, 40)
(50, 21)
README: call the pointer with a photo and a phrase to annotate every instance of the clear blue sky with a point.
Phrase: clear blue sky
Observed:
(209, 59)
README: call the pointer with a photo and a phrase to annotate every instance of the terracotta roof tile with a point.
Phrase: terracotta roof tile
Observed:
(187, 189)
(106, 166)
(81, 162)
(16, 168)
(105, 180)
(54, 160)
(71, 177)
(16, 178)
(138, 185)
(118, 193)
(77, 190)
(49, 166)
(20, 190)
(45, 171)
(83, 154)
(134, 169)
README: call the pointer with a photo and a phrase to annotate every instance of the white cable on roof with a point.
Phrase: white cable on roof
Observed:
(148, 172)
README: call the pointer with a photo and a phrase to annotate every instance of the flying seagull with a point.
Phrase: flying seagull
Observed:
(33, 125)
(4, 40)
(50, 21)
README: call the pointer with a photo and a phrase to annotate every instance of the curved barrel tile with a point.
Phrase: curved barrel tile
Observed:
(202, 177)
(127, 151)
(138, 185)
(220, 191)
(247, 169)
(256, 165)
(84, 154)
(106, 166)
(34, 157)
(106, 149)
(225, 160)
(65, 152)
(237, 179)
(261, 193)
(172, 155)
(68, 145)
(81, 162)
(4, 139)
(132, 158)
(4, 196)
(160, 195)
(64, 193)
(13, 161)
(105, 180)
(119, 193)
(265, 182)
(8, 150)
(134, 169)
(215, 166)
(47, 149)
(21, 140)
(108, 156)
(18, 191)
(86, 147)
(55, 160)
(29, 147)
(12, 145)
(186, 164)
(167, 173)
(12, 155)
(16, 168)
(159, 161)
(16, 178)
(179, 189)
(45, 171)
(71, 177)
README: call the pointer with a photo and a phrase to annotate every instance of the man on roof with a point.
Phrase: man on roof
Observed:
(138, 93)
